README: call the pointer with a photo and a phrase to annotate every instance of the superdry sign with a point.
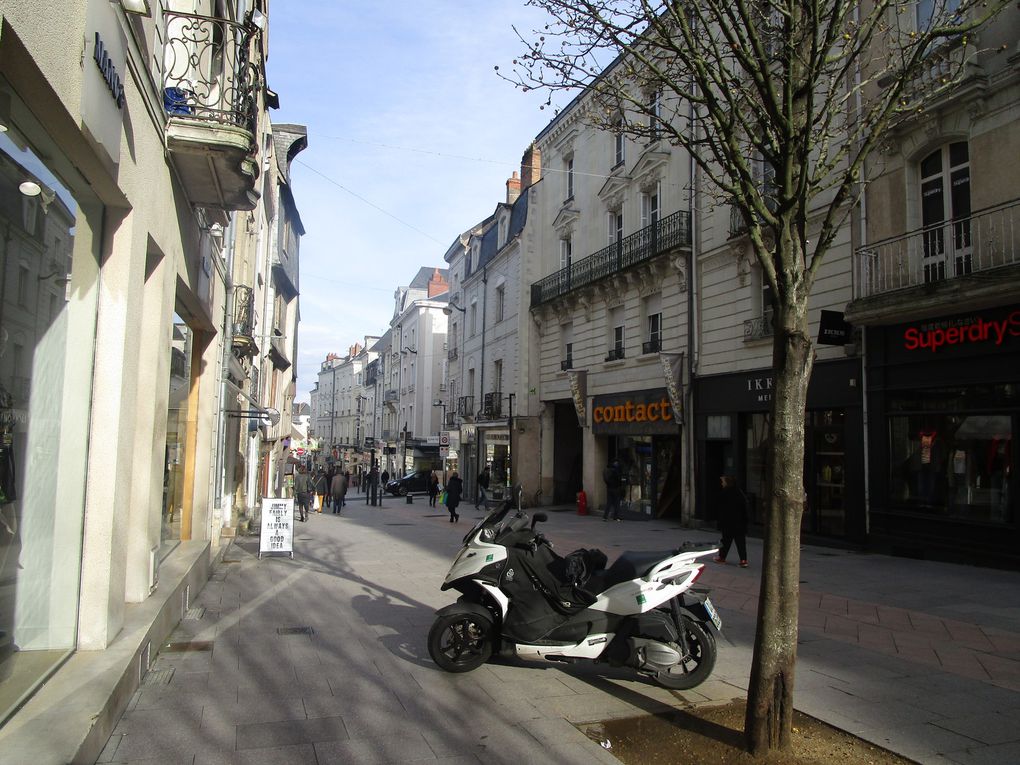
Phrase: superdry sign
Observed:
(974, 331)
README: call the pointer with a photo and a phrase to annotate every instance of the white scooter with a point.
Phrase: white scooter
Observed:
(519, 597)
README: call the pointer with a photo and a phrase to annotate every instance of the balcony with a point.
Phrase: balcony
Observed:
(244, 321)
(616, 354)
(967, 260)
(466, 406)
(643, 245)
(757, 329)
(391, 397)
(211, 97)
(451, 354)
(567, 363)
(278, 351)
(451, 420)
(492, 405)
(651, 346)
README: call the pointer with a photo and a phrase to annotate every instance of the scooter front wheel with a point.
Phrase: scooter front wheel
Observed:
(697, 665)
(460, 642)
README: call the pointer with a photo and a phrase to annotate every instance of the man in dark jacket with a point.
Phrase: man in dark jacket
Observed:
(732, 520)
(614, 490)
(483, 487)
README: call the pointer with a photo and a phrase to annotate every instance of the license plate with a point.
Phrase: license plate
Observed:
(713, 615)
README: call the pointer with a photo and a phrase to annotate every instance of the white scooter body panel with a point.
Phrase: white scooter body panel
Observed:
(589, 648)
(473, 557)
(637, 596)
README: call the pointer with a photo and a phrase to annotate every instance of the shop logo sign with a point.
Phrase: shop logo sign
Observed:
(967, 331)
(108, 71)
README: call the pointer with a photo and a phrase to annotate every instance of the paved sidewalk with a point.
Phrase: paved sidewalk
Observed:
(322, 659)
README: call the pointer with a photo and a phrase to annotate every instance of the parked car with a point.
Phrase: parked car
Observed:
(414, 482)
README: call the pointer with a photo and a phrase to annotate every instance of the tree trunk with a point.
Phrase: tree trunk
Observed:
(769, 717)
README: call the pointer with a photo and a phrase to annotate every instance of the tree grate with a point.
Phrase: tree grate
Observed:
(158, 677)
(187, 646)
(295, 631)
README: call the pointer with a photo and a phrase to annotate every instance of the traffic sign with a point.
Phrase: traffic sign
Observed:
(444, 438)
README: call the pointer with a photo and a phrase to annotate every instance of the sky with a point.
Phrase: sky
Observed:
(411, 138)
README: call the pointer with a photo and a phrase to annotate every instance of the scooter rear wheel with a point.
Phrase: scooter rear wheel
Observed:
(694, 668)
(460, 642)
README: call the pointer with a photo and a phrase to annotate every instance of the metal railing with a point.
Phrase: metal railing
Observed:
(757, 329)
(651, 346)
(616, 354)
(391, 395)
(207, 73)
(567, 363)
(451, 354)
(987, 239)
(466, 406)
(644, 244)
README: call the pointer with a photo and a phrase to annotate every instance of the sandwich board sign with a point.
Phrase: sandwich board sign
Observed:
(277, 533)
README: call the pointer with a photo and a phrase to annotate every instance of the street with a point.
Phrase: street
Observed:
(322, 658)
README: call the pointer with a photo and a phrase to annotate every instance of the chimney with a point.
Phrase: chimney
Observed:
(437, 284)
(513, 188)
(531, 167)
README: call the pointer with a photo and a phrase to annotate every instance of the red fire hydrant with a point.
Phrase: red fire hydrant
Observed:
(582, 503)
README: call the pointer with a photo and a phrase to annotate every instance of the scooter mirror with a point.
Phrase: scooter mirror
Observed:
(538, 518)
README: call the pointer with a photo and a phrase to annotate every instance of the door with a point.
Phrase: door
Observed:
(945, 212)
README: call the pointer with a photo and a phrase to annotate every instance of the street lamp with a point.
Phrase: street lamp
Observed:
(448, 309)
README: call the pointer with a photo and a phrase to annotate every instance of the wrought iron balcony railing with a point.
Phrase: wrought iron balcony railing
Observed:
(644, 244)
(451, 354)
(466, 406)
(208, 74)
(567, 363)
(391, 396)
(651, 346)
(758, 329)
(987, 239)
(451, 420)
(615, 354)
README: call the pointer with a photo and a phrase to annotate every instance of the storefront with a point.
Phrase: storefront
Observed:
(643, 433)
(732, 436)
(944, 403)
(48, 273)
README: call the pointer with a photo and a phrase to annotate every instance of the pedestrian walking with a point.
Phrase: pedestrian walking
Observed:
(320, 487)
(732, 520)
(338, 490)
(330, 474)
(433, 488)
(483, 487)
(613, 479)
(302, 493)
(454, 489)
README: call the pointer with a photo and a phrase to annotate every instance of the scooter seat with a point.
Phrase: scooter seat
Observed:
(630, 565)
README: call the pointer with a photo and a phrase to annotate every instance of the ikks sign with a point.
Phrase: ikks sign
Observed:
(103, 102)
(645, 412)
(978, 332)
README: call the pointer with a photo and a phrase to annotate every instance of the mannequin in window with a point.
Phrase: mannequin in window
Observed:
(927, 464)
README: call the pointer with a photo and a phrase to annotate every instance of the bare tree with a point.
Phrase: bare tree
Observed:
(779, 103)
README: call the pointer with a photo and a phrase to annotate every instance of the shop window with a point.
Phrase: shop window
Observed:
(952, 464)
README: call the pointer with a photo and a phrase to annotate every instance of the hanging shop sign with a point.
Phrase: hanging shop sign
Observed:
(102, 93)
(673, 371)
(277, 533)
(646, 412)
(833, 329)
(579, 392)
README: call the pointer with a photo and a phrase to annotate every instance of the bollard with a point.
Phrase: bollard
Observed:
(410, 500)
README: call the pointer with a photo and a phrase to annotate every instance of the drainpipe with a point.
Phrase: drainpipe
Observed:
(481, 373)
(693, 349)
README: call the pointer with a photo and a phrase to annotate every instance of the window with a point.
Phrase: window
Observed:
(615, 227)
(474, 319)
(566, 250)
(931, 11)
(500, 302)
(497, 375)
(567, 339)
(654, 115)
(23, 274)
(653, 325)
(619, 142)
(617, 335)
(945, 215)
(569, 172)
(650, 207)
(767, 303)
